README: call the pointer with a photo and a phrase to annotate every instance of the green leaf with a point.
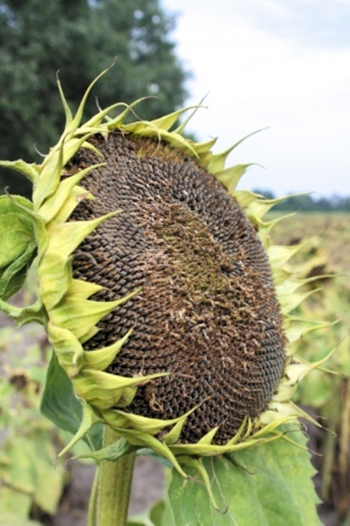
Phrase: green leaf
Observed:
(146, 452)
(269, 485)
(13, 504)
(157, 513)
(60, 404)
(16, 228)
(18, 244)
(151, 517)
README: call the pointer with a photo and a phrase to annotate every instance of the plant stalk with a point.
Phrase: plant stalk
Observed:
(110, 495)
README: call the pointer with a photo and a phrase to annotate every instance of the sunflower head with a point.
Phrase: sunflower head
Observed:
(163, 300)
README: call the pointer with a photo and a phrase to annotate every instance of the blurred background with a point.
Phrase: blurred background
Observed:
(283, 67)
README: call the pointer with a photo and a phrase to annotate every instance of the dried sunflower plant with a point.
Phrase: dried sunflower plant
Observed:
(169, 315)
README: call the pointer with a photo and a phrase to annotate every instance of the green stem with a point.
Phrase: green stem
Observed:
(91, 519)
(110, 495)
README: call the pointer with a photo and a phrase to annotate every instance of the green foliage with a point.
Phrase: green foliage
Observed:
(79, 38)
(28, 475)
(18, 244)
(268, 485)
(61, 406)
(155, 516)
(329, 395)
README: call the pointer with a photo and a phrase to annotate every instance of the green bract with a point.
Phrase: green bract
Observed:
(65, 306)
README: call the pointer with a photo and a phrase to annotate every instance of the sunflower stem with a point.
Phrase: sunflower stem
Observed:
(111, 492)
(91, 518)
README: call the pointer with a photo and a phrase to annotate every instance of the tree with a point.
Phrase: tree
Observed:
(80, 39)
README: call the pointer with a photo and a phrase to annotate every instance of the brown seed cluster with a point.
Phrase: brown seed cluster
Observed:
(207, 311)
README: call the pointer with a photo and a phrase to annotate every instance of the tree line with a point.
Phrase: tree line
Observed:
(79, 38)
(309, 202)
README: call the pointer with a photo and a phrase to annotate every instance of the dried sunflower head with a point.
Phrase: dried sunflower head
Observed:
(162, 298)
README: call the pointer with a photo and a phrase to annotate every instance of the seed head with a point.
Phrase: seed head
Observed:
(162, 297)
(207, 312)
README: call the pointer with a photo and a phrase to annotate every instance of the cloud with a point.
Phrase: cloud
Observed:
(258, 77)
(315, 22)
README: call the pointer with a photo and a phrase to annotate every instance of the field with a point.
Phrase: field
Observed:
(325, 258)
(327, 253)
(329, 236)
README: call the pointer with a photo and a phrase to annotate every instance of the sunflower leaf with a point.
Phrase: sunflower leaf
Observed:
(270, 485)
(18, 243)
(60, 405)
(151, 517)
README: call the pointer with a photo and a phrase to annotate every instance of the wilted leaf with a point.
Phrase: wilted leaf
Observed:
(16, 468)
(14, 519)
(48, 476)
(27, 467)
(13, 504)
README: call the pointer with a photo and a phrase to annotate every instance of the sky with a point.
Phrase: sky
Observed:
(278, 65)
